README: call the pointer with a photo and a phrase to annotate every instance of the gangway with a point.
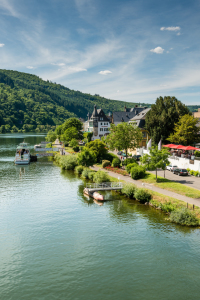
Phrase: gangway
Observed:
(104, 186)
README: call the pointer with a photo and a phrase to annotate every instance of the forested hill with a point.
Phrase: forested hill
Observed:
(26, 99)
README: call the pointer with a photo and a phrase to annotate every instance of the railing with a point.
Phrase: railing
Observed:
(104, 185)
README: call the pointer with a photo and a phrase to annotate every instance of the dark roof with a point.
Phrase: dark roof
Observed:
(125, 116)
(141, 115)
(140, 123)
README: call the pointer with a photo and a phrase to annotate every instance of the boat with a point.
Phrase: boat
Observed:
(22, 156)
(95, 195)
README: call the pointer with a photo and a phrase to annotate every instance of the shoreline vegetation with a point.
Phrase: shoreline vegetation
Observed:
(176, 210)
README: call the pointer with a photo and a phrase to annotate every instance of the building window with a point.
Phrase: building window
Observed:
(101, 123)
(144, 134)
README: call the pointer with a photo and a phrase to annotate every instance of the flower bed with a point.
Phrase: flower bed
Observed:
(116, 170)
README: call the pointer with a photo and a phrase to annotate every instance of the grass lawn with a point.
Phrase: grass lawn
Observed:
(171, 186)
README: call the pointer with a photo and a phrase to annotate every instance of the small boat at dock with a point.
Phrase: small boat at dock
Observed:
(95, 195)
(22, 156)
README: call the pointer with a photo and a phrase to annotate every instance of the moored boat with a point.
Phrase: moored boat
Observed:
(22, 156)
(94, 195)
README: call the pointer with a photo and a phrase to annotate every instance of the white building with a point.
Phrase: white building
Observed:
(97, 123)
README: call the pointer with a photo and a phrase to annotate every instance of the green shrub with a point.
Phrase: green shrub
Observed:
(138, 172)
(184, 216)
(116, 162)
(129, 190)
(85, 173)
(130, 166)
(81, 148)
(192, 172)
(142, 195)
(197, 153)
(76, 149)
(196, 173)
(167, 207)
(100, 176)
(68, 162)
(110, 156)
(79, 169)
(105, 163)
(188, 169)
(91, 175)
(128, 161)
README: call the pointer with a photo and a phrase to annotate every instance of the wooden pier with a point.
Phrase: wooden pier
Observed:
(104, 186)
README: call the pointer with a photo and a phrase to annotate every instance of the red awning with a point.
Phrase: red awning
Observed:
(181, 147)
(170, 146)
(190, 148)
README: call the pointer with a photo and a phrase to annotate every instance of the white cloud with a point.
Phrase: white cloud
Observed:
(30, 67)
(2, 45)
(158, 50)
(77, 69)
(59, 64)
(176, 28)
(178, 33)
(106, 72)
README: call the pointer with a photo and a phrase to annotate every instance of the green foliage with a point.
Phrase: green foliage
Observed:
(130, 166)
(85, 173)
(129, 190)
(156, 159)
(100, 176)
(68, 162)
(74, 144)
(185, 131)
(124, 136)
(88, 136)
(192, 172)
(184, 216)
(86, 158)
(116, 162)
(69, 134)
(105, 163)
(188, 169)
(142, 195)
(138, 172)
(196, 173)
(79, 169)
(98, 148)
(167, 207)
(127, 161)
(91, 175)
(109, 156)
(197, 153)
(51, 136)
(163, 115)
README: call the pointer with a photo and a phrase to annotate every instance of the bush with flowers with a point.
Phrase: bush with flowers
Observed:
(116, 170)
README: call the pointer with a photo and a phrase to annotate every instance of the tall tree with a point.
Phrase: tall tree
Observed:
(163, 115)
(185, 131)
(98, 148)
(124, 136)
(157, 159)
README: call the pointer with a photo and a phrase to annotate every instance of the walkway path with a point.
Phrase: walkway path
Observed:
(153, 188)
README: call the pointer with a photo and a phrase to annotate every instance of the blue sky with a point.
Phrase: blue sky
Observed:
(126, 50)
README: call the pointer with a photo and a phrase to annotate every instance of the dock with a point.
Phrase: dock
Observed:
(104, 186)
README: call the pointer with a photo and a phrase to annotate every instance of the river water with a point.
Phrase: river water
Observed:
(55, 244)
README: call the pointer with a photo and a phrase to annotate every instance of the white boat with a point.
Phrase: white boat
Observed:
(22, 156)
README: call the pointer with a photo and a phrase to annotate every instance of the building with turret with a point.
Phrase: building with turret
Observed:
(98, 123)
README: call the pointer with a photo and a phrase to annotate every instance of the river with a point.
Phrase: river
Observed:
(55, 244)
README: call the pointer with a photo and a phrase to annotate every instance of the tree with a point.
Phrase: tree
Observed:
(124, 136)
(69, 134)
(185, 131)
(158, 159)
(72, 122)
(86, 158)
(98, 148)
(51, 136)
(163, 115)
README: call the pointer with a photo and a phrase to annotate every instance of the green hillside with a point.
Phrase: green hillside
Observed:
(28, 102)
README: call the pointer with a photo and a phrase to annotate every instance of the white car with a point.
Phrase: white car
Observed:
(171, 168)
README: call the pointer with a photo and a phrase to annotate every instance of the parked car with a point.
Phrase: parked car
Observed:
(137, 157)
(169, 167)
(119, 153)
(180, 172)
(173, 168)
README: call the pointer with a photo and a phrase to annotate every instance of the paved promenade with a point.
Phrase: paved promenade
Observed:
(152, 187)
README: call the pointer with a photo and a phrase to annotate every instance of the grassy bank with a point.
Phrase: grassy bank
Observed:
(171, 186)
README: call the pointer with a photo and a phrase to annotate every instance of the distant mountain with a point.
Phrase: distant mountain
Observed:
(26, 99)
